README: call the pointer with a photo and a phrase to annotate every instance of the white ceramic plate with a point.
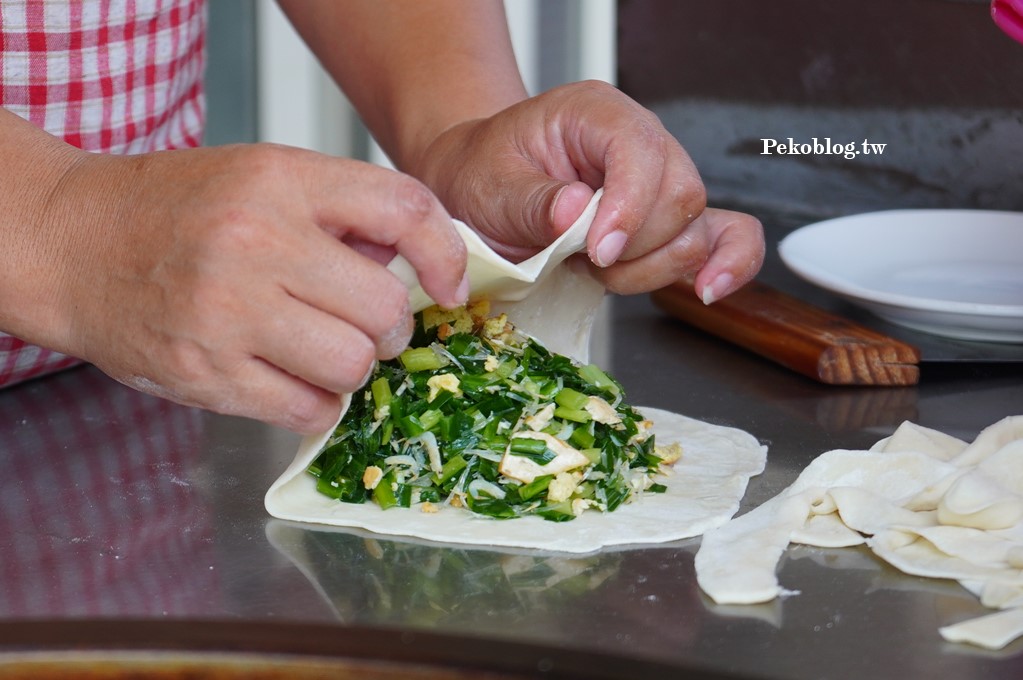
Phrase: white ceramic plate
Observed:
(957, 273)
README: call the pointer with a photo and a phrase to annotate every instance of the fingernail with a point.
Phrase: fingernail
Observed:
(717, 288)
(369, 374)
(554, 204)
(611, 248)
(462, 293)
(394, 341)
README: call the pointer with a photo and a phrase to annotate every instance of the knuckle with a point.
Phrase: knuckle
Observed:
(307, 412)
(690, 199)
(615, 287)
(594, 88)
(697, 195)
(187, 364)
(413, 200)
(235, 230)
(645, 129)
(263, 160)
(686, 253)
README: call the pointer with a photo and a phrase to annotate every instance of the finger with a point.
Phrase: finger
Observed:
(253, 389)
(547, 209)
(737, 255)
(375, 252)
(332, 277)
(274, 396)
(317, 348)
(681, 257)
(567, 205)
(391, 209)
(538, 206)
(721, 250)
(651, 192)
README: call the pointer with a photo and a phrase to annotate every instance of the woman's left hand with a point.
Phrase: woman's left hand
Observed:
(522, 176)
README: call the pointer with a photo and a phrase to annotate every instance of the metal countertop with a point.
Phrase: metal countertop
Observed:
(119, 508)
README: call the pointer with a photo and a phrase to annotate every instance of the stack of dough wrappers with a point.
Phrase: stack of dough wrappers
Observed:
(927, 503)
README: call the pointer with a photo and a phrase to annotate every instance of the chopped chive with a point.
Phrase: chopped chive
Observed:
(596, 377)
(442, 446)
(383, 494)
(411, 426)
(429, 419)
(381, 389)
(451, 468)
(576, 415)
(419, 359)
(528, 446)
(386, 430)
(557, 512)
(582, 438)
(535, 487)
(571, 399)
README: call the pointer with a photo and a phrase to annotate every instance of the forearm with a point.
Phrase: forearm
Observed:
(413, 68)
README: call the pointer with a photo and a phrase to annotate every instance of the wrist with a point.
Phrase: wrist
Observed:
(422, 134)
(33, 181)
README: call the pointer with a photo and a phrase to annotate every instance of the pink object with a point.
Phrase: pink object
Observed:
(1008, 14)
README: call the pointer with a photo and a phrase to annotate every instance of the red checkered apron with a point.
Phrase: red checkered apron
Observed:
(110, 76)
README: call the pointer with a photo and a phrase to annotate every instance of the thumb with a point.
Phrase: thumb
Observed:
(541, 210)
(565, 206)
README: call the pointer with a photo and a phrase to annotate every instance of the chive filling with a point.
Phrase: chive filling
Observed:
(477, 415)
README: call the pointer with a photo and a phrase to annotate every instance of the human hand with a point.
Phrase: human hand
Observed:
(522, 176)
(221, 277)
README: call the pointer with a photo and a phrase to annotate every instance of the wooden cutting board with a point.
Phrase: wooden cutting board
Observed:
(797, 335)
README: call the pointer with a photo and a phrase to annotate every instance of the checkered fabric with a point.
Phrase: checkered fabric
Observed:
(110, 76)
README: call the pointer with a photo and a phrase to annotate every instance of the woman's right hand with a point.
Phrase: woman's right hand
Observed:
(221, 277)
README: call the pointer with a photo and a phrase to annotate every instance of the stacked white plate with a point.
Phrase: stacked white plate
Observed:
(956, 273)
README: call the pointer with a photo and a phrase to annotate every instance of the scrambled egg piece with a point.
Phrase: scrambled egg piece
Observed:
(443, 381)
(525, 470)
(540, 419)
(372, 476)
(497, 328)
(579, 505)
(563, 486)
(458, 320)
(643, 431)
(669, 453)
(601, 411)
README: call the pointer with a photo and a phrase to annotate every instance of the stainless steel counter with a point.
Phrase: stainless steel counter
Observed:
(117, 507)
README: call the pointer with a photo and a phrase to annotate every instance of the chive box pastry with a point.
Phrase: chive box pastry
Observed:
(499, 481)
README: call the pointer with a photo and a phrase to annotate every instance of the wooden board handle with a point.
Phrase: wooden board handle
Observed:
(796, 335)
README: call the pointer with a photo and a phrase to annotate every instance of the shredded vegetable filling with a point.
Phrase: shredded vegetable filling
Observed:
(476, 414)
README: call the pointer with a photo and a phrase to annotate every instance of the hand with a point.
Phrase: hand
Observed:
(221, 278)
(522, 176)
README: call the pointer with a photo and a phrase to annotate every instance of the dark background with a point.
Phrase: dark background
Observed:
(934, 80)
